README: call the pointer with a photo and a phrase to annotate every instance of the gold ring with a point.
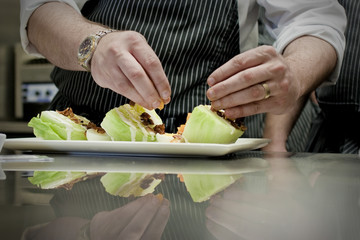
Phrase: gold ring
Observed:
(267, 90)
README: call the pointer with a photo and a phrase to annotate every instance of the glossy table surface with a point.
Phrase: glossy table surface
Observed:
(246, 195)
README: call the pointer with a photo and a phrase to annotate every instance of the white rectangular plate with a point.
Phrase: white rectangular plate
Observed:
(141, 148)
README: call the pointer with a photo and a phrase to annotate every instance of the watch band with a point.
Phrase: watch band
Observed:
(88, 46)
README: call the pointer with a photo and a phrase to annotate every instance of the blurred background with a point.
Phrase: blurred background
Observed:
(25, 87)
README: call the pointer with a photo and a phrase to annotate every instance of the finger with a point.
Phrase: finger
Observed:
(246, 110)
(123, 86)
(228, 222)
(248, 59)
(220, 232)
(122, 215)
(272, 72)
(223, 219)
(236, 194)
(257, 92)
(141, 220)
(152, 66)
(118, 82)
(243, 80)
(238, 226)
(113, 222)
(279, 200)
(158, 223)
(268, 105)
(248, 95)
(262, 212)
(139, 78)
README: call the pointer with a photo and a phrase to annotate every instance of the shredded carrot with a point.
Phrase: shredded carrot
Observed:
(182, 126)
(160, 196)
(161, 106)
(181, 177)
(188, 116)
(181, 129)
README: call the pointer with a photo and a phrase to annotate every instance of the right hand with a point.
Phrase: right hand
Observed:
(125, 63)
(144, 218)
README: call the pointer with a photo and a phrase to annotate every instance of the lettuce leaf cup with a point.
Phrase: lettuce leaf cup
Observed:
(59, 125)
(206, 125)
(202, 186)
(130, 184)
(132, 122)
(58, 179)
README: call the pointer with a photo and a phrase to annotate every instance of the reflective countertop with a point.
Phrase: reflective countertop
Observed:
(245, 195)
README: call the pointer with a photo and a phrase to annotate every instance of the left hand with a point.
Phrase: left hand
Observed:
(238, 85)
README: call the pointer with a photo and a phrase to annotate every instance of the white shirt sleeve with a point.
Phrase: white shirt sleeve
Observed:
(290, 19)
(27, 7)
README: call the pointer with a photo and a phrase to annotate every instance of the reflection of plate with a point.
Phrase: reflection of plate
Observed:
(152, 148)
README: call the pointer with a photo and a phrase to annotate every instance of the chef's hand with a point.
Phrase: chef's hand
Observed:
(252, 82)
(125, 63)
(144, 218)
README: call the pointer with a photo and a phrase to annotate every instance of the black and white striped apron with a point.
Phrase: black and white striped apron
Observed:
(191, 39)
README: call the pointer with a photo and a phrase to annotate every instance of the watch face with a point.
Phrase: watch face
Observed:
(86, 46)
(86, 49)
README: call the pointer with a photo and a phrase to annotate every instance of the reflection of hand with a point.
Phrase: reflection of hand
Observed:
(237, 85)
(144, 218)
(125, 63)
(286, 211)
(242, 215)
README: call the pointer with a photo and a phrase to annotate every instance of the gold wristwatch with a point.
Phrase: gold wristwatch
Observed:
(88, 46)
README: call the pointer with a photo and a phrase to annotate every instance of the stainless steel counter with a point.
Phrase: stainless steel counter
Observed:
(247, 195)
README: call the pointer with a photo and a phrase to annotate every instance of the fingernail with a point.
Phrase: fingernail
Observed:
(211, 81)
(165, 95)
(156, 104)
(210, 94)
(167, 100)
